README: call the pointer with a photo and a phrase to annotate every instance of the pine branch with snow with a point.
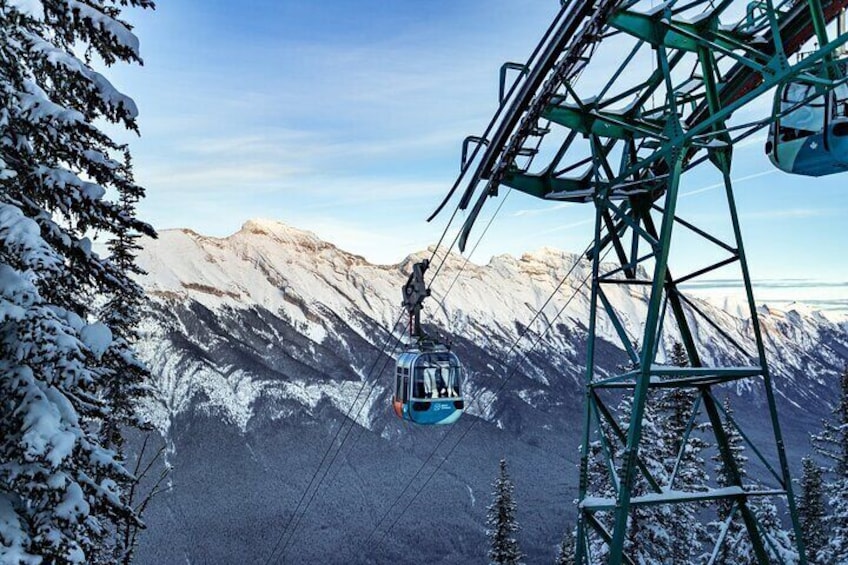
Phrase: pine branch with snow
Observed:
(566, 554)
(737, 547)
(684, 466)
(649, 526)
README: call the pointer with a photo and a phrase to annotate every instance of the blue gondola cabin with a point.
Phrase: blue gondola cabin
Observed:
(428, 386)
(810, 137)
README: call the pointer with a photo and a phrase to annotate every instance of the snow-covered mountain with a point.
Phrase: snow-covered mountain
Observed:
(260, 343)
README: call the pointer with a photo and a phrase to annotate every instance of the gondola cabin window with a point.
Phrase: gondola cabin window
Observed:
(806, 118)
(436, 376)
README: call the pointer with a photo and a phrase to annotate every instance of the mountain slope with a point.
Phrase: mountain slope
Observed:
(261, 342)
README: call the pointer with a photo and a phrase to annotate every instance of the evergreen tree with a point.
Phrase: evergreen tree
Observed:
(566, 553)
(648, 538)
(832, 445)
(502, 523)
(674, 408)
(811, 512)
(121, 312)
(648, 527)
(737, 548)
(124, 375)
(61, 495)
(600, 486)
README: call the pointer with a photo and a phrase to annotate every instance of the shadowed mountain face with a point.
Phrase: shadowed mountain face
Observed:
(261, 342)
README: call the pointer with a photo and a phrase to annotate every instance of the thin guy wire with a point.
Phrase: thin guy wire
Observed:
(335, 455)
(476, 399)
(332, 442)
(475, 422)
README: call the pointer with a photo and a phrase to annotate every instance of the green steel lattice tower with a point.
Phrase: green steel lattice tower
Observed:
(676, 76)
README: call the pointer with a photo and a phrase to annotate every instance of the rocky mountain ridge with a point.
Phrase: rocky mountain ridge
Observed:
(271, 334)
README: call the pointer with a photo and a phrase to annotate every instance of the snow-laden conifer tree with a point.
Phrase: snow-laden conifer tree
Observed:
(600, 485)
(502, 523)
(648, 541)
(737, 548)
(683, 464)
(122, 311)
(832, 444)
(734, 545)
(124, 375)
(566, 554)
(811, 512)
(60, 483)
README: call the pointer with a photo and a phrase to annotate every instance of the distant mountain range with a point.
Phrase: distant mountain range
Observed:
(261, 341)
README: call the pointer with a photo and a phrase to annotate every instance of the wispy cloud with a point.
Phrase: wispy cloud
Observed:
(791, 213)
(203, 178)
(735, 181)
(565, 227)
(766, 283)
(530, 212)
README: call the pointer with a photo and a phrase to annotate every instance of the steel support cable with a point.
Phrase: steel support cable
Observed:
(475, 422)
(390, 334)
(548, 43)
(329, 466)
(543, 43)
(476, 244)
(461, 176)
(474, 153)
(467, 258)
(564, 57)
(435, 251)
(498, 112)
(467, 165)
(476, 399)
(444, 297)
(456, 277)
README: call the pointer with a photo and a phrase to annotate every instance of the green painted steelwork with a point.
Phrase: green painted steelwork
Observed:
(684, 71)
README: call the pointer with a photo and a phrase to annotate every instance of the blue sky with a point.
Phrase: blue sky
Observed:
(346, 118)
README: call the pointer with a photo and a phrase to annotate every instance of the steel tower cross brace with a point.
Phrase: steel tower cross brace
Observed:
(683, 70)
(650, 373)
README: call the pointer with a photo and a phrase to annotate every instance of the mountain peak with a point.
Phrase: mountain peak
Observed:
(280, 233)
(265, 226)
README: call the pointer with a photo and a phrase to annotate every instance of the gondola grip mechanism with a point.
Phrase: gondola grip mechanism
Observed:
(414, 292)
